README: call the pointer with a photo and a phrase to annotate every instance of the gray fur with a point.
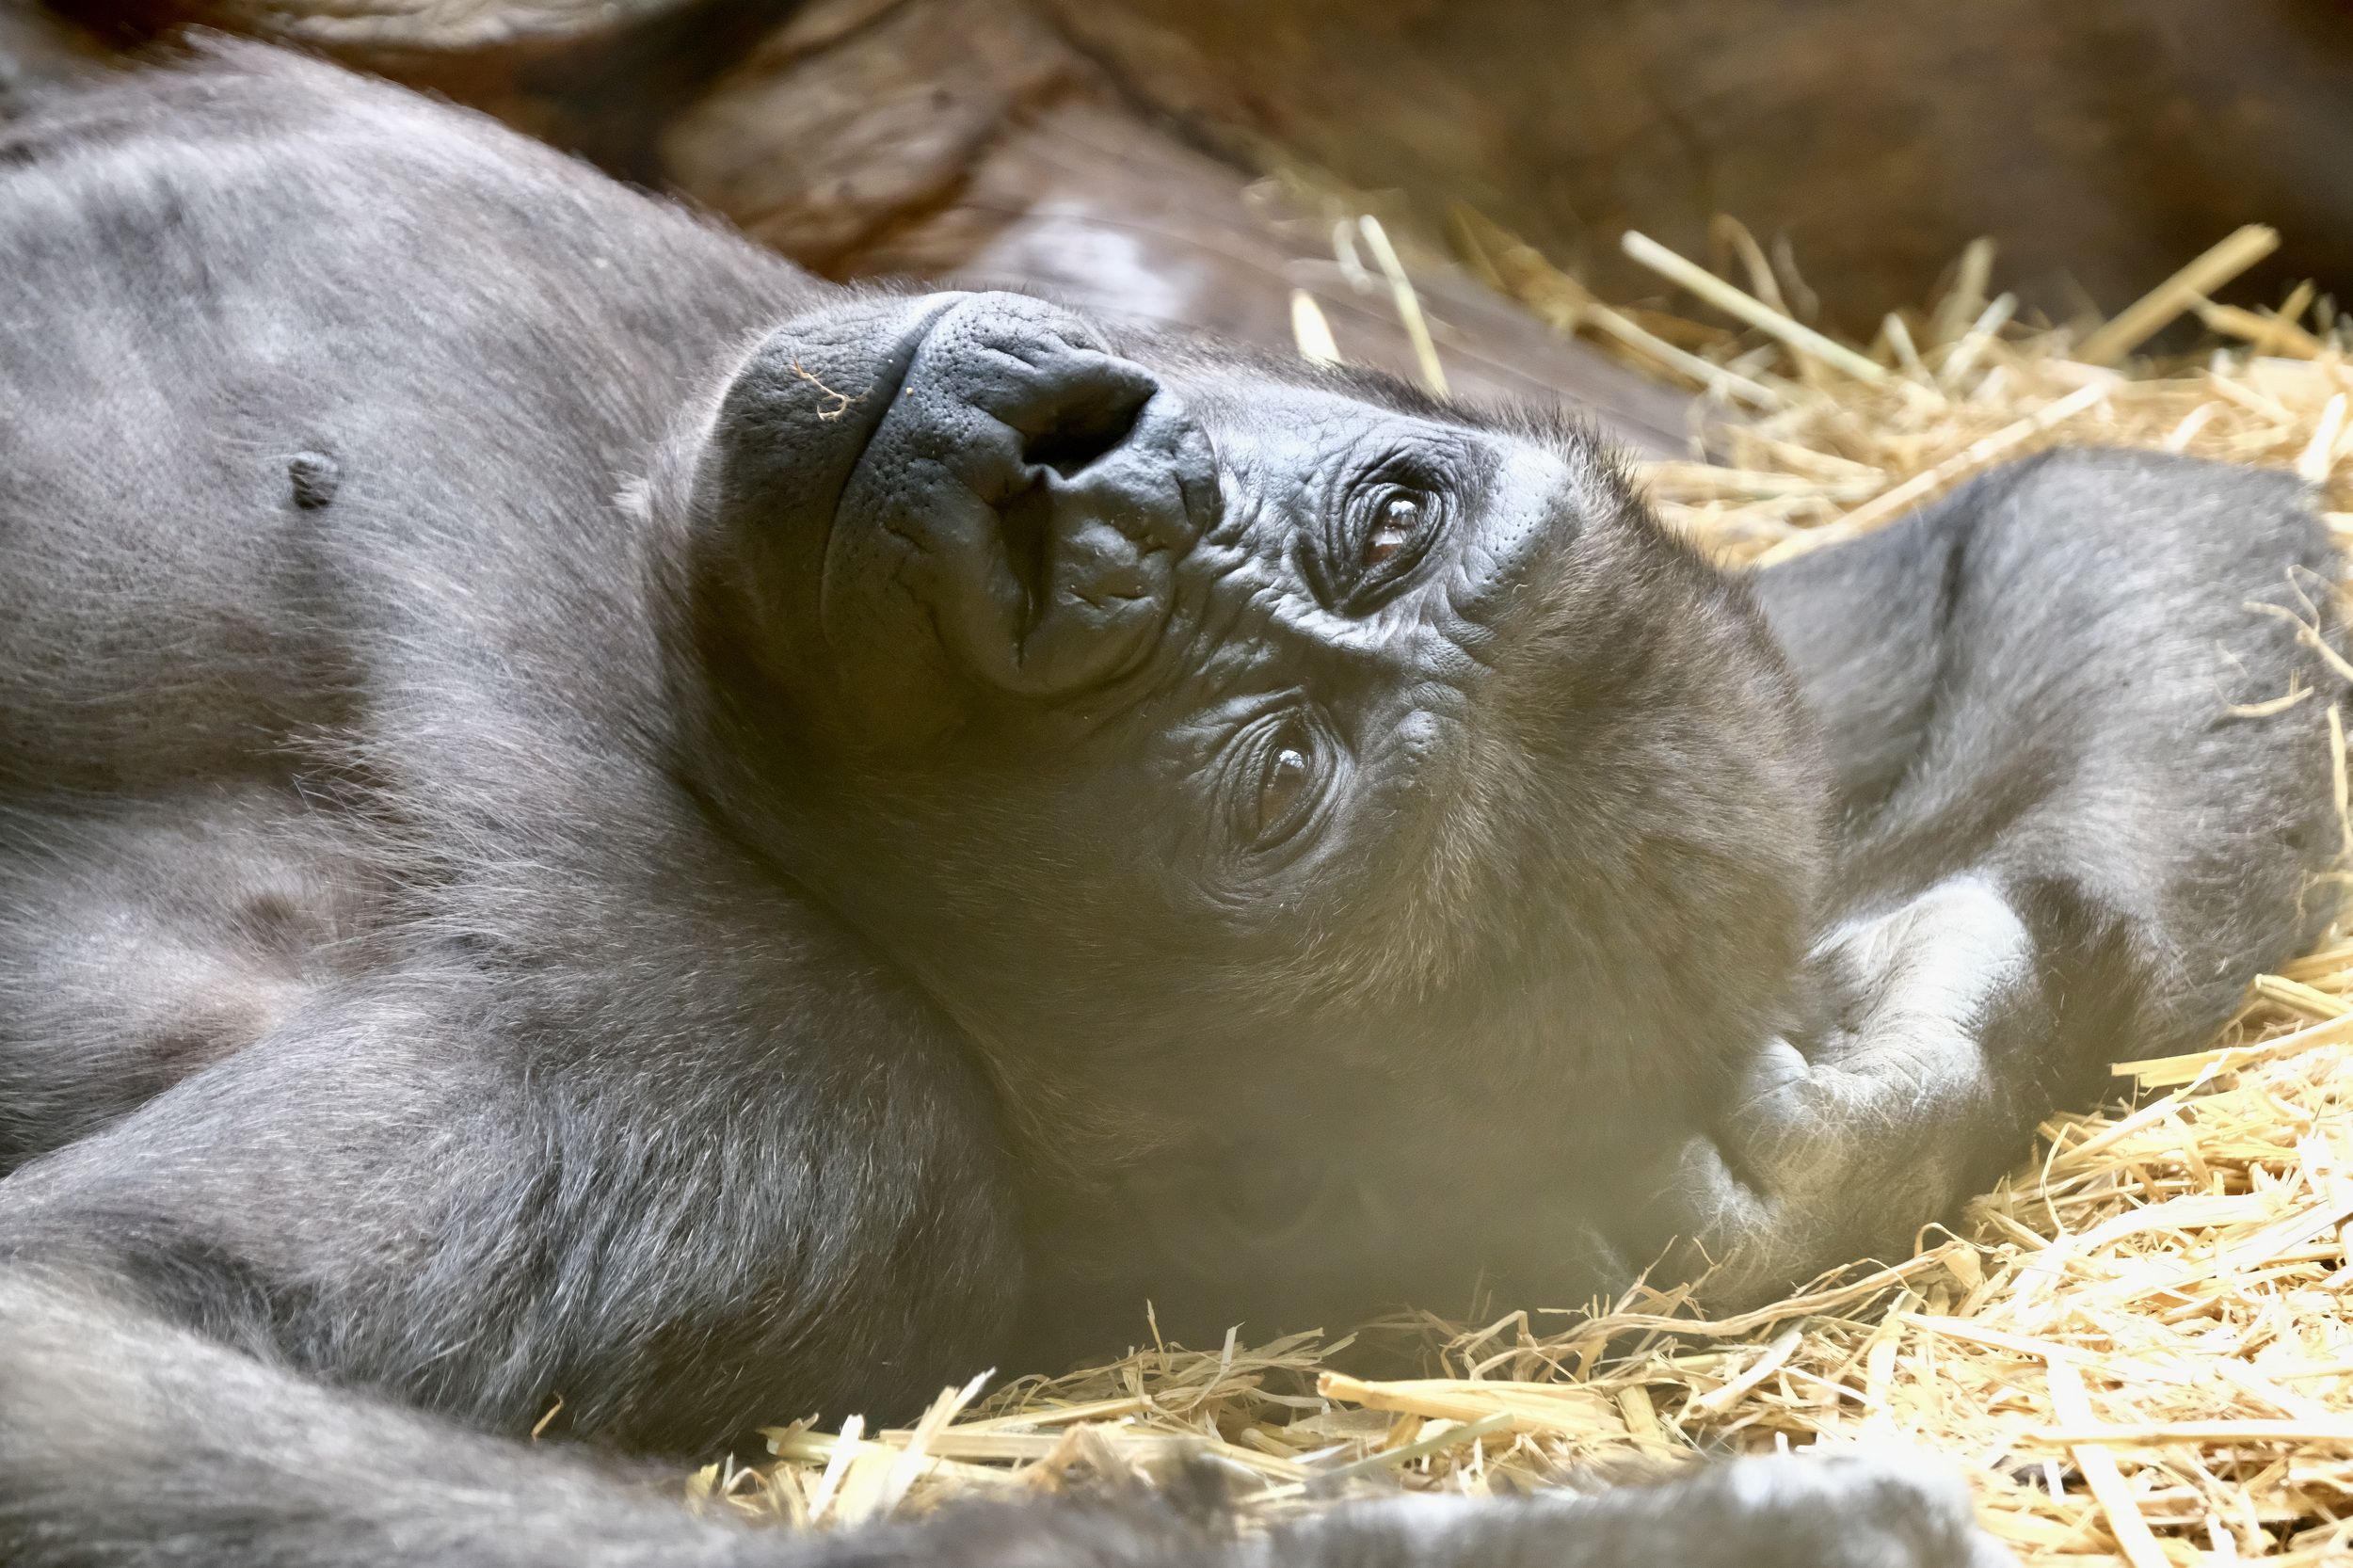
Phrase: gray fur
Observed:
(585, 815)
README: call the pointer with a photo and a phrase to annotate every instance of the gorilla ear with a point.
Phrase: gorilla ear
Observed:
(953, 501)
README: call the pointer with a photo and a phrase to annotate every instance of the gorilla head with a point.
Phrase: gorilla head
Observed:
(1278, 772)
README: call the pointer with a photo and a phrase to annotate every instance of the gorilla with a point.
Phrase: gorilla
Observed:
(584, 814)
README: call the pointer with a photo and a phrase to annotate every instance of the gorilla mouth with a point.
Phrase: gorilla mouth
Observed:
(883, 387)
(996, 511)
(1018, 497)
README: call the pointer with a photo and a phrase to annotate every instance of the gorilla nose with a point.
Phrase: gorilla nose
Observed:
(1032, 491)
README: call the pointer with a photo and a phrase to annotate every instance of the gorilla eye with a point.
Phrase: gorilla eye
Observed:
(1281, 791)
(1286, 780)
(1391, 526)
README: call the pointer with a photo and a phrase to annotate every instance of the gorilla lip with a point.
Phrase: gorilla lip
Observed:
(891, 378)
(881, 395)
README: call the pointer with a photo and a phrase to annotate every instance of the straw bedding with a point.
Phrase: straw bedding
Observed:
(2138, 1349)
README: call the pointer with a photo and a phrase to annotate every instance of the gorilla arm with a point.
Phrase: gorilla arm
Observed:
(189, 1382)
(1920, 1087)
(220, 1311)
(2060, 846)
(125, 1440)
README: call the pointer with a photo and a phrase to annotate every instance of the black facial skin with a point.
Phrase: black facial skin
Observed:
(585, 815)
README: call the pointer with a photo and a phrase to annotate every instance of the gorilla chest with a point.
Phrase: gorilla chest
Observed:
(143, 939)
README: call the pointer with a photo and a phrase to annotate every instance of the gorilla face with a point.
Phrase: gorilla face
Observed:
(1274, 769)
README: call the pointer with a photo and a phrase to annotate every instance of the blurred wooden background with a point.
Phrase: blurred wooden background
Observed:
(1111, 150)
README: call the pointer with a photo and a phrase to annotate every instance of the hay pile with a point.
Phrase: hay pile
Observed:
(2139, 1348)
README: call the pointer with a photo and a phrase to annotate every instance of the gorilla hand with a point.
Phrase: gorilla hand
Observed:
(1932, 1019)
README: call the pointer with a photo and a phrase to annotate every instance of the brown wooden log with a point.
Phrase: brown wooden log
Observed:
(964, 141)
(597, 77)
(859, 115)
(2100, 141)
(37, 48)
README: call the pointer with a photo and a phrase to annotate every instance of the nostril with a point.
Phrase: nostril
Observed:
(1083, 434)
(1092, 421)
